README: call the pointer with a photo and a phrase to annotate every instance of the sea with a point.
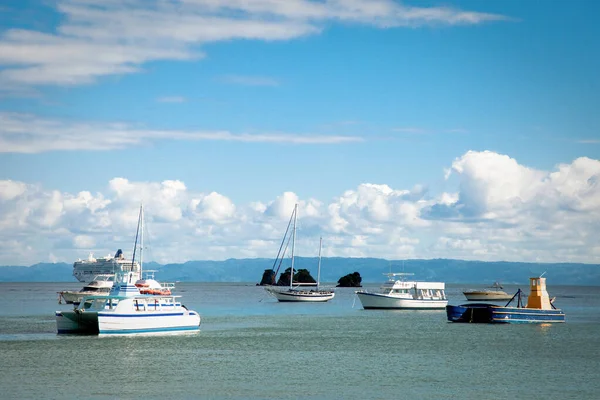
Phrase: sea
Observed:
(251, 347)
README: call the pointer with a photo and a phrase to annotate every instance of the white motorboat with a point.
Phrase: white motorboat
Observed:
(402, 294)
(294, 293)
(101, 285)
(126, 311)
(492, 293)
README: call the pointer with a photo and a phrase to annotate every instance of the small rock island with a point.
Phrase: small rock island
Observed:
(350, 280)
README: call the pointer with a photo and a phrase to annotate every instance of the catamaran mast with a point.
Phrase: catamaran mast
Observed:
(319, 268)
(293, 245)
(141, 239)
(137, 233)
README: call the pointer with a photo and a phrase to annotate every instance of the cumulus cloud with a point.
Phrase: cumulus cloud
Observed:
(96, 38)
(27, 133)
(501, 210)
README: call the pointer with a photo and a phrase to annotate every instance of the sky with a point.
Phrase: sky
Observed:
(414, 129)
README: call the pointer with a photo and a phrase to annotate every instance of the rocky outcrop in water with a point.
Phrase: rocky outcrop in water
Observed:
(350, 280)
(300, 276)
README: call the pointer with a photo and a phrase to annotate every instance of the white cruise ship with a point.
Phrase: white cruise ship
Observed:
(86, 270)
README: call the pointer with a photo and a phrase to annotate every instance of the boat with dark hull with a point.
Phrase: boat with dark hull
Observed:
(539, 308)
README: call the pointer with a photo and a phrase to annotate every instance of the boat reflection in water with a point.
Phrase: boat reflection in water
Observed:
(539, 308)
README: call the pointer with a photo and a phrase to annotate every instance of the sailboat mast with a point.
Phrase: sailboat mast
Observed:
(141, 239)
(293, 245)
(319, 268)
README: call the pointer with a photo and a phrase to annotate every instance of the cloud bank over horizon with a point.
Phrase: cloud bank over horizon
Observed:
(500, 210)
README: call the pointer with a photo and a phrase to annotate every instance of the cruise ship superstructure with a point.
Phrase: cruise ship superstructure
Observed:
(86, 270)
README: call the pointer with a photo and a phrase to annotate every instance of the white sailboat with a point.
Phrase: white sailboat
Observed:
(295, 293)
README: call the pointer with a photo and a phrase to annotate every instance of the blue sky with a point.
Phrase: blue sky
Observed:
(327, 103)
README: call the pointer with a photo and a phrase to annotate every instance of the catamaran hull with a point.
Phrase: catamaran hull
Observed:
(76, 322)
(484, 313)
(376, 301)
(168, 322)
(95, 323)
(299, 296)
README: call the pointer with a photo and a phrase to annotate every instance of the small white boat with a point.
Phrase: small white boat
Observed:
(126, 311)
(295, 293)
(493, 293)
(99, 286)
(402, 294)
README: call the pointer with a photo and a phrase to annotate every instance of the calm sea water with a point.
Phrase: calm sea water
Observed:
(251, 347)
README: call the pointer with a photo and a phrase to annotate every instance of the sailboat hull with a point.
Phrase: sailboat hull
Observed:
(292, 295)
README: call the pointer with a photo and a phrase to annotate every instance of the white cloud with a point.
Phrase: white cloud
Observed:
(491, 183)
(501, 210)
(97, 37)
(215, 207)
(10, 189)
(84, 242)
(27, 133)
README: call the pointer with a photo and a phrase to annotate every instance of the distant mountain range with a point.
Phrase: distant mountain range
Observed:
(332, 269)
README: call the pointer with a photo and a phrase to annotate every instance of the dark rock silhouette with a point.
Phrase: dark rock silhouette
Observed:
(268, 277)
(350, 280)
(301, 276)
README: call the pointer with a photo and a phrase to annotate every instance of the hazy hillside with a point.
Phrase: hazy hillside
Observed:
(371, 270)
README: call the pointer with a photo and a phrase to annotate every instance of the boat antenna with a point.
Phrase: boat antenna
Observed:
(543, 273)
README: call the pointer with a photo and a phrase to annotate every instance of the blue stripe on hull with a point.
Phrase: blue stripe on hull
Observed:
(150, 330)
(301, 301)
(403, 308)
(141, 315)
(389, 297)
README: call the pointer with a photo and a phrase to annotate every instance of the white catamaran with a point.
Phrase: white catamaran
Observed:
(295, 293)
(126, 311)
